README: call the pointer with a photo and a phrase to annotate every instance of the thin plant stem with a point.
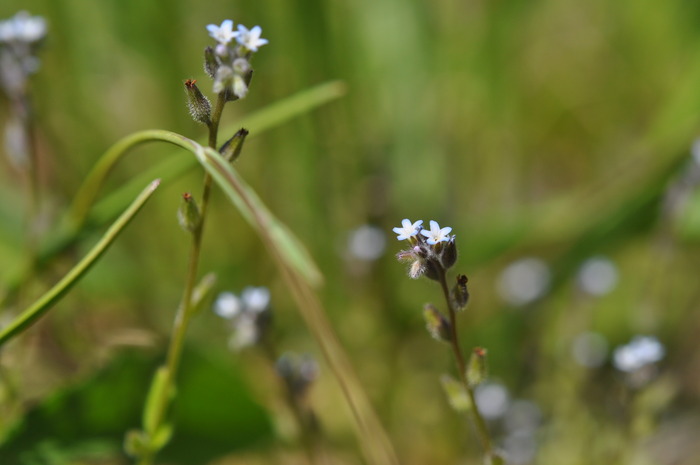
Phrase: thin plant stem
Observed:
(477, 418)
(307, 436)
(185, 309)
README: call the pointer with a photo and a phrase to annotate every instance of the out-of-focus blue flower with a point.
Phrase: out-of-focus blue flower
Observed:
(638, 353)
(224, 33)
(250, 38)
(249, 314)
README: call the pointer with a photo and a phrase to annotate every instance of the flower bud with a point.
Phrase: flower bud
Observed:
(417, 269)
(437, 324)
(241, 66)
(223, 79)
(232, 147)
(199, 105)
(459, 294)
(476, 369)
(456, 395)
(448, 254)
(188, 214)
(203, 292)
(240, 89)
(433, 269)
(298, 372)
(211, 64)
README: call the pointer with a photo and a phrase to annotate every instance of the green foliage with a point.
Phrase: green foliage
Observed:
(553, 129)
(98, 410)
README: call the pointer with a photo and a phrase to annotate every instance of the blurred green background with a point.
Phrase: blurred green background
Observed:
(553, 131)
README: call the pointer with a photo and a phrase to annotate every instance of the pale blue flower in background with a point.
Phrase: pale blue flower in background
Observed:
(256, 299)
(524, 281)
(408, 229)
(250, 38)
(436, 234)
(640, 352)
(224, 33)
(22, 28)
(228, 305)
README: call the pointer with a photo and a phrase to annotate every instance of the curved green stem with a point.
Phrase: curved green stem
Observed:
(82, 213)
(41, 306)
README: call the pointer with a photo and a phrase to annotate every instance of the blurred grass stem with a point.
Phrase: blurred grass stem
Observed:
(308, 434)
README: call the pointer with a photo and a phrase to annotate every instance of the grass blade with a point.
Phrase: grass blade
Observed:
(41, 306)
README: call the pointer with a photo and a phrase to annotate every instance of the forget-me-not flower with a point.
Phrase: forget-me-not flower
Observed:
(224, 33)
(250, 38)
(23, 27)
(640, 352)
(249, 314)
(408, 229)
(436, 234)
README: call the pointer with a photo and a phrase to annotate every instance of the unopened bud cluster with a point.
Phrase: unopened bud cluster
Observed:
(432, 251)
(228, 63)
(298, 372)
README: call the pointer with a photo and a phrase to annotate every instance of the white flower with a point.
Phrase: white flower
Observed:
(641, 351)
(250, 38)
(408, 229)
(224, 33)
(436, 234)
(246, 333)
(223, 79)
(240, 90)
(227, 305)
(23, 28)
(256, 299)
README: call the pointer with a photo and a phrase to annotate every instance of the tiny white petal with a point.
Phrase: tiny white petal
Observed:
(436, 234)
(245, 333)
(224, 33)
(250, 38)
(256, 299)
(227, 305)
(408, 229)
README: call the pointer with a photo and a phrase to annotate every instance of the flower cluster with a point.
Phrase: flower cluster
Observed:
(432, 251)
(19, 38)
(228, 63)
(640, 352)
(249, 314)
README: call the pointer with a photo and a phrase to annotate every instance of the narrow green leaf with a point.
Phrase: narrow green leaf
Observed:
(153, 401)
(84, 212)
(256, 213)
(41, 306)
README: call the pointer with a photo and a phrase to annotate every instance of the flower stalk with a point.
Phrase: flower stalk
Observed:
(431, 253)
(156, 430)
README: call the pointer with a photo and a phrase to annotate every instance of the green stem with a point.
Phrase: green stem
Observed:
(477, 418)
(185, 309)
(307, 435)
